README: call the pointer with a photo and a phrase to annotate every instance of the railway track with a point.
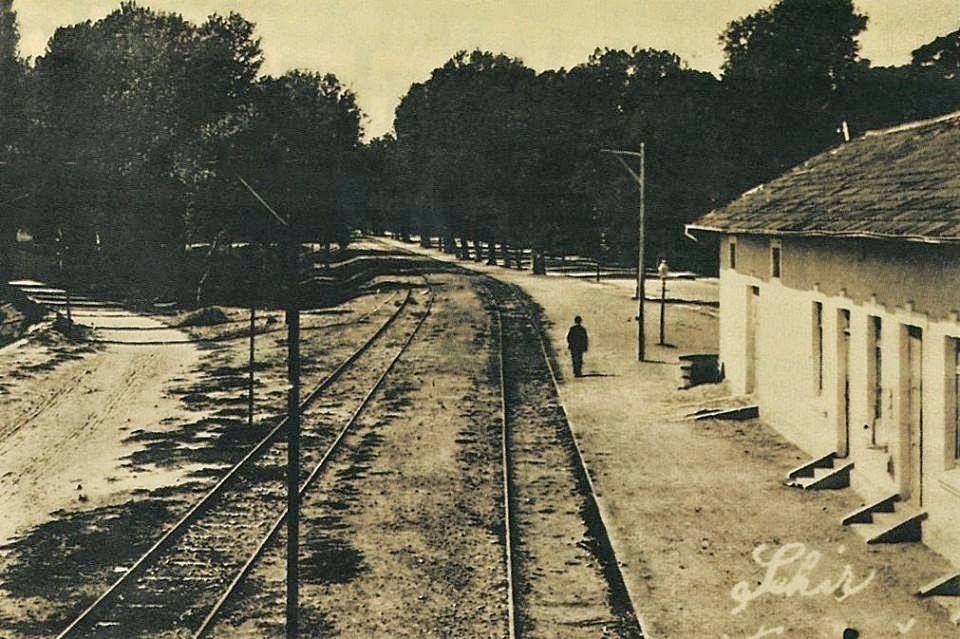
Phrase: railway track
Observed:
(178, 587)
(563, 576)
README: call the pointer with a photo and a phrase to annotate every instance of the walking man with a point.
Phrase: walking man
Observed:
(577, 343)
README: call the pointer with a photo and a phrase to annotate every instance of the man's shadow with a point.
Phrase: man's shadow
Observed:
(598, 375)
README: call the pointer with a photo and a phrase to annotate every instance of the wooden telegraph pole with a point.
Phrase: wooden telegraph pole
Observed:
(61, 254)
(292, 267)
(641, 182)
(254, 288)
(293, 438)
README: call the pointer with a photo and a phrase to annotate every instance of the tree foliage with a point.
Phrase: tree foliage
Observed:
(129, 136)
(12, 126)
(787, 74)
(488, 149)
(142, 124)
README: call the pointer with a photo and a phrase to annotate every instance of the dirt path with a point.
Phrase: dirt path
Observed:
(66, 412)
(158, 425)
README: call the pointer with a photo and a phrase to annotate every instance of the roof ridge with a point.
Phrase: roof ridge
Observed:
(916, 124)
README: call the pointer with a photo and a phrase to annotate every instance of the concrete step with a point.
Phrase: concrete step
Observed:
(807, 469)
(865, 515)
(825, 478)
(903, 526)
(946, 586)
(738, 413)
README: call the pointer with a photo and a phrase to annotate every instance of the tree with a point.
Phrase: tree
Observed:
(461, 137)
(786, 73)
(125, 109)
(942, 56)
(300, 147)
(12, 128)
(645, 96)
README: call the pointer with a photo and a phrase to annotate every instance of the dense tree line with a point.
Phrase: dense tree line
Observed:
(488, 150)
(125, 141)
(129, 135)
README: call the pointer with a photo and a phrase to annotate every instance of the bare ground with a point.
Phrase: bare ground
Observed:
(688, 503)
(102, 446)
(403, 540)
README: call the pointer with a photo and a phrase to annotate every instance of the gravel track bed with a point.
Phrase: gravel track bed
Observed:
(177, 589)
(564, 585)
(404, 539)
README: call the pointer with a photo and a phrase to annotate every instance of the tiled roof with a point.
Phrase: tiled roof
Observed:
(901, 183)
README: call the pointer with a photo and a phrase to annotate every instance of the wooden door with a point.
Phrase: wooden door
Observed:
(914, 412)
(843, 379)
(753, 303)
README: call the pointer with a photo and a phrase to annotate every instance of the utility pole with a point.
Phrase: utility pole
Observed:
(254, 289)
(293, 438)
(253, 325)
(641, 182)
(292, 267)
(61, 252)
(663, 271)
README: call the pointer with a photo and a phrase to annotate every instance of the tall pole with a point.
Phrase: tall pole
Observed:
(292, 266)
(641, 347)
(61, 254)
(253, 327)
(256, 260)
(640, 179)
(663, 308)
(293, 439)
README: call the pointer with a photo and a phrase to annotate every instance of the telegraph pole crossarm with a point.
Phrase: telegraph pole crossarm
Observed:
(640, 179)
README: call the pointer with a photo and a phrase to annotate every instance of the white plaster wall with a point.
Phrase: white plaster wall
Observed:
(786, 382)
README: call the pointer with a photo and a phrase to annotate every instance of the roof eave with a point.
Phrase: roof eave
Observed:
(922, 239)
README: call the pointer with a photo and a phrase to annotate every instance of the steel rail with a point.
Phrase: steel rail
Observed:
(211, 618)
(512, 629)
(196, 510)
(601, 533)
(612, 570)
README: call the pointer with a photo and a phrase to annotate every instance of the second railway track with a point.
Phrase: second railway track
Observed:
(174, 589)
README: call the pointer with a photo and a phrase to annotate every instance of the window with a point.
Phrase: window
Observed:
(733, 253)
(818, 346)
(775, 260)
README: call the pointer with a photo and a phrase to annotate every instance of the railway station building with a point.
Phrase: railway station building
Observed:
(840, 313)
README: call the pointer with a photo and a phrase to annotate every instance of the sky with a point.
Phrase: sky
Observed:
(379, 48)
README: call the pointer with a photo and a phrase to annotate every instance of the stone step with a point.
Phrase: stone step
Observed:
(946, 586)
(893, 528)
(865, 515)
(825, 478)
(807, 468)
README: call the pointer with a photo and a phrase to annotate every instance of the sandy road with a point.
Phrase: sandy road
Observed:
(67, 409)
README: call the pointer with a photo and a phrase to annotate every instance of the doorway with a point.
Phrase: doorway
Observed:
(843, 377)
(753, 302)
(912, 478)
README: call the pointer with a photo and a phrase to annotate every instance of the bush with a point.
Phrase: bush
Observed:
(206, 316)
